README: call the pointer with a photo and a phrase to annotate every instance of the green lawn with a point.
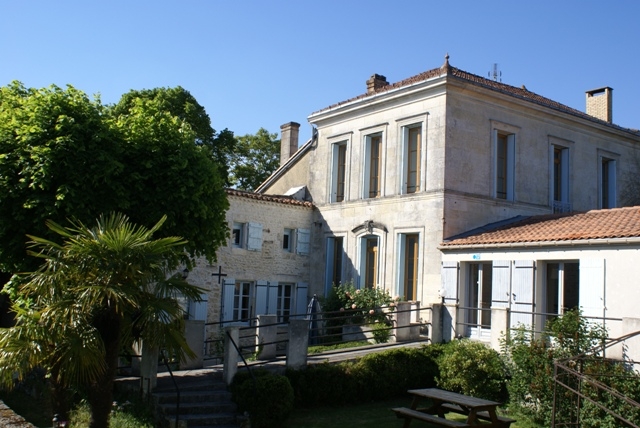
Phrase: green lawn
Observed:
(371, 415)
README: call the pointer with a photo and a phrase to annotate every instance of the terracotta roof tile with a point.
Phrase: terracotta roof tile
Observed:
(268, 198)
(521, 93)
(596, 224)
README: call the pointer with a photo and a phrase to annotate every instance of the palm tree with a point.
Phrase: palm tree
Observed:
(97, 293)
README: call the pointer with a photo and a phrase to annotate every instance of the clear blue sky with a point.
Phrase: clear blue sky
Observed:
(255, 64)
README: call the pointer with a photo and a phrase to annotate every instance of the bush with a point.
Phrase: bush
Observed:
(359, 306)
(474, 369)
(269, 400)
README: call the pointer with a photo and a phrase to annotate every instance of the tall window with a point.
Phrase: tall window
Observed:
(560, 181)
(410, 268)
(285, 300)
(242, 296)
(607, 183)
(505, 164)
(370, 265)
(335, 251)
(412, 156)
(339, 171)
(562, 287)
(373, 166)
(479, 291)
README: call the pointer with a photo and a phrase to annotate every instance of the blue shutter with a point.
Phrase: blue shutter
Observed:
(449, 280)
(501, 284)
(262, 288)
(272, 299)
(198, 310)
(227, 299)
(302, 241)
(522, 291)
(591, 293)
(254, 240)
(301, 300)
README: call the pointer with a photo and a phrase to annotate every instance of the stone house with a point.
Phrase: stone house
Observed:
(394, 172)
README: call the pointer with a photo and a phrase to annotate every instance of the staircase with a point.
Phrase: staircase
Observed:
(204, 401)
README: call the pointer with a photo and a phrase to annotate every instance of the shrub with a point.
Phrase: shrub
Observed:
(359, 306)
(474, 369)
(269, 400)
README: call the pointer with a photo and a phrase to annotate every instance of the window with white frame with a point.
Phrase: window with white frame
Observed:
(478, 297)
(562, 287)
(408, 265)
(373, 166)
(237, 235)
(285, 301)
(607, 183)
(287, 240)
(335, 254)
(504, 165)
(339, 171)
(560, 179)
(412, 155)
(369, 261)
(242, 301)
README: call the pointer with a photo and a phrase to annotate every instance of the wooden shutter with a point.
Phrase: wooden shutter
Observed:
(272, 299)
(301, 300)
(262, 289)
(302, 241)
(449, 280)
(501, 286)
(522, 292)
(198, 310)
(592, 291)
(227, 299)
(254, 239)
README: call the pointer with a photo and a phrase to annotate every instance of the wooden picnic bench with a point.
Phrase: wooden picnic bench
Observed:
(479, 412)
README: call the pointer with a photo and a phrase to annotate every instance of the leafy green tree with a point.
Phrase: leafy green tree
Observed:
(102, 288)
(255, 158)
(64, 156)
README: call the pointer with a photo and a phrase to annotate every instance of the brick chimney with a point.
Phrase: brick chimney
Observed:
(376, 82)
(599, 103)
(288, 140)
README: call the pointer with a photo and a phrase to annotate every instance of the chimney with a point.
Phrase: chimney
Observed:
(288, 140)
(376, 82)
(599, 103)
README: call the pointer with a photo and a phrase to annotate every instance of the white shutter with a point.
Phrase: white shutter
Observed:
(328, 274)
(198, 310)
(449, 281)
(301, 300)
(262, 288)
(254, 240)
(302, 241)
(522, 291)
(227, 299)
(501, 287)
(591, 293)
(272, 299)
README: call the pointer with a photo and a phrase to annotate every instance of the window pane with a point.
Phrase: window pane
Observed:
(375, 166)
(413, 160)
(501, 167)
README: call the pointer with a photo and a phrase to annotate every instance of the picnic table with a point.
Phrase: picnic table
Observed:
(479, 412)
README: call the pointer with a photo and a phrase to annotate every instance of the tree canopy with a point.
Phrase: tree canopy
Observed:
(255, 158)
(65, 156)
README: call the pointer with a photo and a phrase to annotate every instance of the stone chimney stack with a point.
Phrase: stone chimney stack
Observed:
(599, 103)
(376, 82)
(288, 140)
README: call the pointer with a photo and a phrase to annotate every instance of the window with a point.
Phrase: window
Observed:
(373, 166)
(237, 235)
(335, 251)
(412, 159)
(562, 287)
(409, 265)
(287, 240)
(560, 179)
(479, 290)
(339, 171)
(370, 262)
(607, 186)
(242, 301)
(284, 302)
(505, 160)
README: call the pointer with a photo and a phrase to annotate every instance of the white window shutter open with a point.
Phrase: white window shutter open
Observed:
(301, 300)
(227, 299)
(302, 241)
(449, 286)
(501, 287)
(254, 237)
(522, 290)
(272, 298)
(262, 290)
(591, 292)
(198, 310)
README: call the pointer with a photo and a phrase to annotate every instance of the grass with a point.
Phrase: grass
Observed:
(370, 415)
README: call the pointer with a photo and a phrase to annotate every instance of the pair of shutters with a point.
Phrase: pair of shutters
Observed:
(513, 286)
(265, 299)
(254, 239)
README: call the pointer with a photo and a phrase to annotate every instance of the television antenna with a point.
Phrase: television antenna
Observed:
(496, 74)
